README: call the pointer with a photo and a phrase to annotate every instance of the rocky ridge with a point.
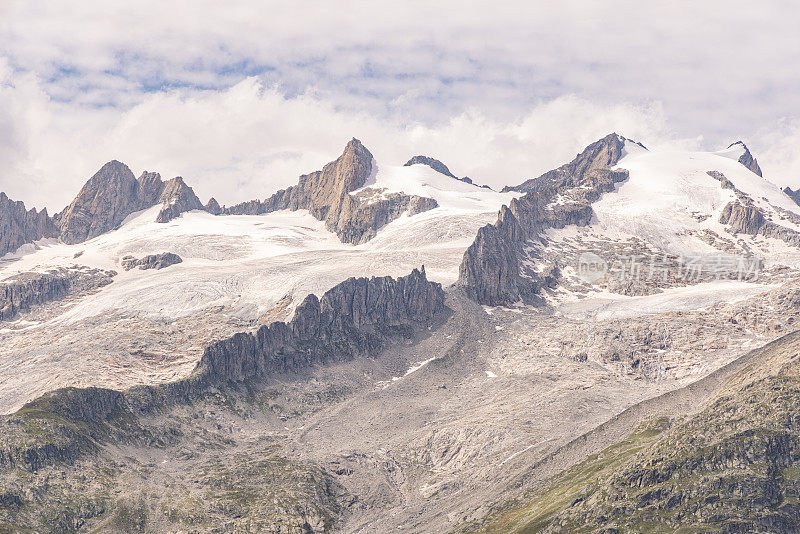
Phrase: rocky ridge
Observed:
(22, 292)
(440, 167)
(19, 226)
(500, 266)
(89, 434)
(602, 154)
(747, 158)
(326, 194)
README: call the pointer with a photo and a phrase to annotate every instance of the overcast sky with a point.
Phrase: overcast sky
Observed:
(241, 100)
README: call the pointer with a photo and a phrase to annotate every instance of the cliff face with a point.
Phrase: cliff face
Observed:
(19, 226)
(355, 318)
(113, 193)
(497, 267)
(326, 194)
(102, 204)
(23, 291)
(747, 158)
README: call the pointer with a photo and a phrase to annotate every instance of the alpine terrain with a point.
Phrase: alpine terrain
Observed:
(387, 347)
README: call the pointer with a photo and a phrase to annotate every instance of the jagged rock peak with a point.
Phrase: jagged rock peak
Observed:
(433, 163)
(19, 226)
(102, 204)
(177, 198)
(747, 158)
(213, 207)
(150, 188)
(601, 154)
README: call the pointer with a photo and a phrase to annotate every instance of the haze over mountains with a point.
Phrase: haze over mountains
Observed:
(387, 346)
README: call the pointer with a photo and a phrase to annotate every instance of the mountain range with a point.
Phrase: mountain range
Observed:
(606, 347)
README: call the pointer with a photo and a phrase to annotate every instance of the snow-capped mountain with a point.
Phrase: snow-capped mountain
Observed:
(294, 348)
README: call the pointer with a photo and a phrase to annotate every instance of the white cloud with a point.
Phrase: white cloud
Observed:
(498, 92)
(247, 141)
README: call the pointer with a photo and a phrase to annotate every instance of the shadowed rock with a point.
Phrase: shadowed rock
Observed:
(747, 158)
(497, 267)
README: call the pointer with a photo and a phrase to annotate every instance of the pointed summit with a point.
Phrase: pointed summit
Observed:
(177, 198)
(102, 204)
(747, 158)
(19, 226)
(602, 154)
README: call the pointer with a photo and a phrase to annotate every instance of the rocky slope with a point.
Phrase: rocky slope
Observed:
(98, 439)
(355, 218)
(602, 154)
(19, 226)
(719, 456)
(151, 261)
(500, 265)
(355, 318)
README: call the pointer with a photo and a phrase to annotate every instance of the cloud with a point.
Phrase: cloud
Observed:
(249, 140)
(241, 98)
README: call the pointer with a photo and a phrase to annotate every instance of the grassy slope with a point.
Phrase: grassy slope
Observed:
(733, 466)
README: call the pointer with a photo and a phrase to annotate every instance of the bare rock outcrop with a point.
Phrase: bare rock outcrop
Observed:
(433, 163)
(21, 292)
(102, 204)
(152, 261)
(747, 158)
(19, 226)
(177, 198)
(794, 195)
(746, 218)
(600, 155)
(358, 317)
(500, 265)
(355, 218)
(440, 167)
(213, 207)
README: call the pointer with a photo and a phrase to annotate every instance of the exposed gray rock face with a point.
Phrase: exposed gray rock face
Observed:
(433, 163)
(794, 195)
(153, 261)
(745, 218)
(498, 267)
(177, 198)
(326, 194)
(747, 158)
(19, 226)
(113, 193)
(23, 291)
(102, 204)
(150, 189)
(355, 318)
(742, 218)
(438, 166)
(600, 155)
(213, 207)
